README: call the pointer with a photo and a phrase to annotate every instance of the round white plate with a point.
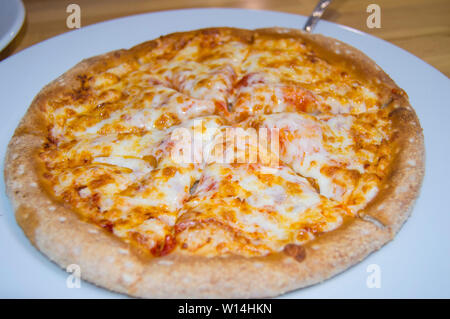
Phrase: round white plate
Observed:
(415, 264)
(12, 15)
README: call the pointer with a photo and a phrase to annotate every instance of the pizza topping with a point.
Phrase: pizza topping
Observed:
(268, 99)
(217, 143)
(265, 209)
(296, 251)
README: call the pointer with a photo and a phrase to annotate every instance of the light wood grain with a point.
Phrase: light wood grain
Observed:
(421, 27)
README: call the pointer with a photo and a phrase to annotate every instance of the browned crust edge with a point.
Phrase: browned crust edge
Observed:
(106, 261)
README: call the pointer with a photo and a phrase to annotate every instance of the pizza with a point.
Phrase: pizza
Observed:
(218, 162)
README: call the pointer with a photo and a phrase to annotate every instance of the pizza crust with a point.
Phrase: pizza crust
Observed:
(108, 262)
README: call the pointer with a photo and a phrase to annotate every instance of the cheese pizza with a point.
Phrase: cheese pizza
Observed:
(219, 162)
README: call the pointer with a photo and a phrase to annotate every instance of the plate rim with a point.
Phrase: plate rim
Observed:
(68, 34)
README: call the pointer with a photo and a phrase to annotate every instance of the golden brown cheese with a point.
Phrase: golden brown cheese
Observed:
(111, 141)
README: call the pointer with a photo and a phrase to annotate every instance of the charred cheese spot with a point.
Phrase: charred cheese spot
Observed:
(295, 251)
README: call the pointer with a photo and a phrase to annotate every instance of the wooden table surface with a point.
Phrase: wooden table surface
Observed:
(422, 27)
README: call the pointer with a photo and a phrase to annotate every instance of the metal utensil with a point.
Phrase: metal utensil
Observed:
(315, 15)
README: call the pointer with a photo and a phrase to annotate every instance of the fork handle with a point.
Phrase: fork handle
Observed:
(315, 15)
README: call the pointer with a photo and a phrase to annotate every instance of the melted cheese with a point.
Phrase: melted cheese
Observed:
(262, 207)
(143, 147)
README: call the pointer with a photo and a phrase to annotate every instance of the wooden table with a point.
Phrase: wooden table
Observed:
(420, 26)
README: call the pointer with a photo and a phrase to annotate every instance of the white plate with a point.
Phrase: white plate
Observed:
(12, 15)
(415, 264)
